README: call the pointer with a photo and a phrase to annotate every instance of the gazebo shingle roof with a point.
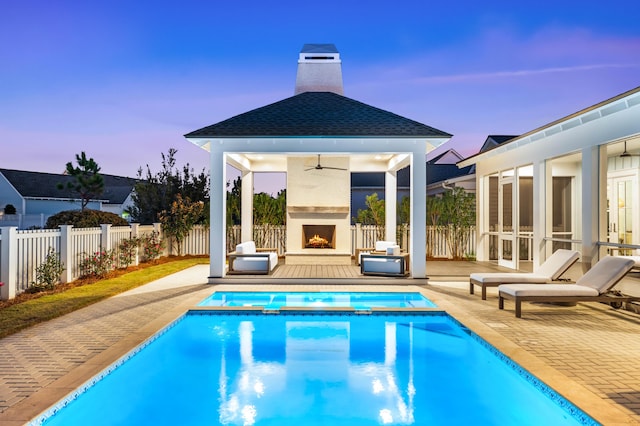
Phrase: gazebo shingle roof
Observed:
(319, 114)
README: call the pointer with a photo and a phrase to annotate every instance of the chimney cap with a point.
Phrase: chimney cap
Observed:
(319, 48)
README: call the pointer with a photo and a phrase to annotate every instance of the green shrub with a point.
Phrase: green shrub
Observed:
(152, 246)
(127, 250)
(85, 219)
(98, 264)
(48, 272)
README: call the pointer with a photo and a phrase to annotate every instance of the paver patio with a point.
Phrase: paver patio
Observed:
(589, 352)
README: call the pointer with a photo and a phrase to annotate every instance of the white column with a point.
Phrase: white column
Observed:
(246, 219)
(390, 203)
(418, 241)
(218, 215)
(590, 205)
(540, 189)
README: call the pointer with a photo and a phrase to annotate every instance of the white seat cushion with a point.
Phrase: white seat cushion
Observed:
(509, 277)
(255, 264)
(547, 290)
(382, 245)
(248, 247)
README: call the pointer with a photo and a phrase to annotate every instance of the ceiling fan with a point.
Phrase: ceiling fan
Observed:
(320, 166)
(626, 153)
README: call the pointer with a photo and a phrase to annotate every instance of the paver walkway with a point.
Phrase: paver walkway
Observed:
(591, 344)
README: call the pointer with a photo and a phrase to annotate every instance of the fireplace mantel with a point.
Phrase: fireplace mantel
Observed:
(318, 209)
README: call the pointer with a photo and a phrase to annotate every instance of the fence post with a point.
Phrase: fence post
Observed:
(9, 262)
(105, 239)
(134, 235)
(65, 253)
(157, 228)
(359, 235)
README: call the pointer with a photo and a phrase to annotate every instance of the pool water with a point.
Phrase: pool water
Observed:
(277, 300)
(313, 368)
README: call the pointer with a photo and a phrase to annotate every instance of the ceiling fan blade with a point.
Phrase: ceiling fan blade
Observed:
(333, 168)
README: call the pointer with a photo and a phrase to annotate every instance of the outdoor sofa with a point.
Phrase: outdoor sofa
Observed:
(551, 270)
(392, 262)
(594, 286)
(247, 259)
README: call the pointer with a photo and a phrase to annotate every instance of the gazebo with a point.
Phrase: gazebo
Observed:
(318, 137)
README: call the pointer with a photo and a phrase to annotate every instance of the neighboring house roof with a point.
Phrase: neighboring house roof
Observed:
(494, 140)
(45, 186)
(323, 114)
(448, 155)
(435, 173)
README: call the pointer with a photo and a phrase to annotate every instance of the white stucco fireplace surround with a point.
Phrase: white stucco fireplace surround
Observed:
(318, 197)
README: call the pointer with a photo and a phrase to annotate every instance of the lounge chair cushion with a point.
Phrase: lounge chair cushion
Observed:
(509, 277)
(606, 273)
(550, 270)
(569, 290)
(636, 259)
(558, 263)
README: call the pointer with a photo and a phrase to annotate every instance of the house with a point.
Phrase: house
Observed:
(318, 137)
(572, 183)
(36, 196)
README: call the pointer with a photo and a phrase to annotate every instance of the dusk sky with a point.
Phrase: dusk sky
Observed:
(125, 80)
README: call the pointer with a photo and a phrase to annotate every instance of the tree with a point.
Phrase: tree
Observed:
(10, 209)
(268, 210)
(459, 213)
(404, 211)
(87, 182)
(156, 192)
(374, 214)
(179, 220)
(234, 200)
(434, 210)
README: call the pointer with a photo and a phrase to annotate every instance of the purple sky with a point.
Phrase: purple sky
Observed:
(124, 80)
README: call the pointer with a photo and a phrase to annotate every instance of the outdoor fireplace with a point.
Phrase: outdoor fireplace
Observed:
(319, 236)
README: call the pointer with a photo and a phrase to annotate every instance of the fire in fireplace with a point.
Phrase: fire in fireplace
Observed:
(318, 236)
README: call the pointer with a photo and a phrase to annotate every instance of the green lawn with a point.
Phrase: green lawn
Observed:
(19, 316)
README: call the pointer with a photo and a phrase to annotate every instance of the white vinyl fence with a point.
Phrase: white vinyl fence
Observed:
(22, 251)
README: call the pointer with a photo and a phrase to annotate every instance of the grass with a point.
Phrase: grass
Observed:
(33, 309)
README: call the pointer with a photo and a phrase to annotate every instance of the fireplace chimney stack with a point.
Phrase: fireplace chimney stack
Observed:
(319, 69)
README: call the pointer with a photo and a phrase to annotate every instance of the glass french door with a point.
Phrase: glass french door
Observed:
(622, 222)
(507, 247)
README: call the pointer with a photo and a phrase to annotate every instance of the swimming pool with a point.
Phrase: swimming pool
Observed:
(315, 368)
(357, 300)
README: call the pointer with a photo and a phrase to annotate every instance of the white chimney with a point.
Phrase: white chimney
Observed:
(319, 69)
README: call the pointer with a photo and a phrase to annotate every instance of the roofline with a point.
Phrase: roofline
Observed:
(443, 135)
(102, 200)
(473, 159)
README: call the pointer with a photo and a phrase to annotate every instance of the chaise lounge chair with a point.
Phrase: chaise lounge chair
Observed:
(551, 270)
(594, 286)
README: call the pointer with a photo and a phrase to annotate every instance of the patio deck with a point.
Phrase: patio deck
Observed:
(587, 352)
